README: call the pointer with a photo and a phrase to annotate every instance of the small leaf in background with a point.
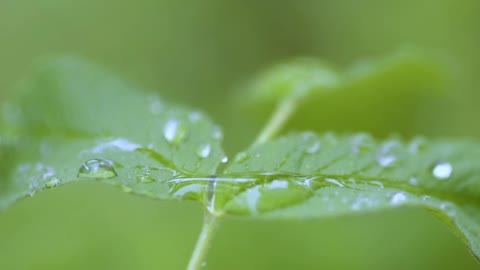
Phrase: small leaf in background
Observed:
(393, 90)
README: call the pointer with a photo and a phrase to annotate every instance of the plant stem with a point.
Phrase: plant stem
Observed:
(199, 255)
(277, 121)
(283, 111)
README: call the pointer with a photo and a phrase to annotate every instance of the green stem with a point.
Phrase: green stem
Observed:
(277, 121)
(199, 255)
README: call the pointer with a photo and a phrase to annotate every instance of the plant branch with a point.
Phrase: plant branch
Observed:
(283, 111)
(198, 258)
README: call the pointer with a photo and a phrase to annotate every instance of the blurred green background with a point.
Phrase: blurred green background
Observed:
(195, 52)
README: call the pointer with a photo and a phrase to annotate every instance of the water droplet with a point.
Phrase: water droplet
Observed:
(442, 170)
(204, 150)
(217, 133)
(97, 169)
(195, 116)
(448, 208)
(277, 184)
(359, 144)
(426, 198)
(224, 159)
(334, 181)
(378, 183)
(416, 146)
(242, 156)
(156, 106)
(120, 143)
(313, 148)
(398, 198)
(253, 196)
(413, 181)
(384, 157)
(174, 132)
(52, 182)
(386, 161)
(146, 178)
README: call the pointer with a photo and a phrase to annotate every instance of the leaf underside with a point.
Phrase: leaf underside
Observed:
(72, 121)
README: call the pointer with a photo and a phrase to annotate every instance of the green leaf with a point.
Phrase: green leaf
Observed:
(308, 176)
(72, 121)
(307, 78)
(354, 98)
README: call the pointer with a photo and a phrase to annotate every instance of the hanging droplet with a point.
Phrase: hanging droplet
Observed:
(52, 182)
(204, 150)
(174, 132)
(97, 169)
(224, 159)
(442, 170)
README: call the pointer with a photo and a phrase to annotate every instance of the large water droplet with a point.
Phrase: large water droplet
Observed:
(442, 170)
(398, 198)
(204, 150)
(97, 169)
(174, 132)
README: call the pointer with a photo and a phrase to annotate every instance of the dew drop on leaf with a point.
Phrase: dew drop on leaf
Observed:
(174, 132)
(195, 116)
(224, 159)
(442, 170)
(97, 169)
(313, 148)
(204, 150)
(217, 133)
(334, 181)
(52, 182)
(386, 160)
(398, 198)
(146, 178)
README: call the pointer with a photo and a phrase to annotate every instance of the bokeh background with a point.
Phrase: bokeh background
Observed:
(197, 53)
